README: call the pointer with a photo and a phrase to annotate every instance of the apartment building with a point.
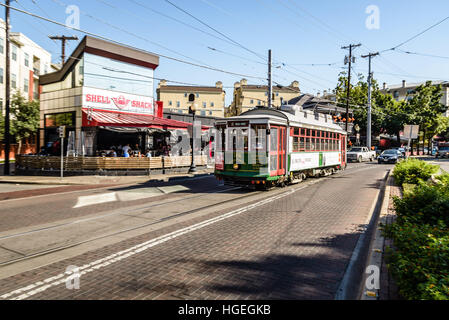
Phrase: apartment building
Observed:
(210, 100)
(28, 62)
(405, 91)
(249, 96)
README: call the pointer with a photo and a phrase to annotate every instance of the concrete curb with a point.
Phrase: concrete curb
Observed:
(66, 181)
(373, 266)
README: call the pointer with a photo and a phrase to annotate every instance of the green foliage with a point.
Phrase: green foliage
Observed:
(359, 101)
(428, 204)
(24, 117)
(419, 262)
(413, 171)
(444, 179)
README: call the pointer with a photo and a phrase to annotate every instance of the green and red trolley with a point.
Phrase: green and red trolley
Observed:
(267, 147)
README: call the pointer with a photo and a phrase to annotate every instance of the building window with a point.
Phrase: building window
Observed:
(396, 94)
(2, 46)
(27, 60)
(211, 104)
(178, 104)
(25, 85)
(14, 52)
(251, 101)
(13, 81)
(1, 75)
(210, 113)
(266, 94)
(204, 104)
(60, 119)
(1, 106)
(203, 113)
(170, 103)
(197, 95)
(259, 103)
(185, 95)
(277, 94)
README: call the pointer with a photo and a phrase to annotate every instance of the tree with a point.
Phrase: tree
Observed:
(427, 110)
(24, 118)
(359, 102)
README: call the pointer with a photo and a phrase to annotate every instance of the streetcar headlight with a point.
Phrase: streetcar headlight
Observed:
(236, 166)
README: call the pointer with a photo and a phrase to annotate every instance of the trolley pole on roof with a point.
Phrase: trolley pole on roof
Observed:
(370, 79)
(270, 89)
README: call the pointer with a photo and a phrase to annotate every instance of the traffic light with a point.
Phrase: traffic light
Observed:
(61, 131)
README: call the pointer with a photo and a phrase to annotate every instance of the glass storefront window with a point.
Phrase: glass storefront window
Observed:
(60, 119)
(108, 74)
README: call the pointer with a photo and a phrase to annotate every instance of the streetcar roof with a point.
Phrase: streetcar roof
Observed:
(295, 118)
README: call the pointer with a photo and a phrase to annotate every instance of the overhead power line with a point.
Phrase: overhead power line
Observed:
(417, 35)
(128, 46)
(215, 30)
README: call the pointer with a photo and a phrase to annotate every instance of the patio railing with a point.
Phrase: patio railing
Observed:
(106, 163)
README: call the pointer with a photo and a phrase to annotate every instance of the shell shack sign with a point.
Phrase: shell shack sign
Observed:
(100, 99)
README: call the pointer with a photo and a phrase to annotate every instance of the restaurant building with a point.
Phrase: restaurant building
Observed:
(103, 95)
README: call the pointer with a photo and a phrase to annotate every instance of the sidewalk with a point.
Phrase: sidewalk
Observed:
(100, 180)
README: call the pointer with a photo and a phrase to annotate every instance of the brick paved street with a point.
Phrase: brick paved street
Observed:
(294, 243)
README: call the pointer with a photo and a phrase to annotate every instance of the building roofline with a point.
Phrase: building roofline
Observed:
(105, 49)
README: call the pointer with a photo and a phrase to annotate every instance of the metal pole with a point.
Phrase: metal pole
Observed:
(7, 93)
(348, 92)
(370, 78)
(270, 89)
(62, 157)
(192, 164)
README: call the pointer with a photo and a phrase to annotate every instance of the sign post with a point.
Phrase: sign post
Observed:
(61, 131)
(410, 132)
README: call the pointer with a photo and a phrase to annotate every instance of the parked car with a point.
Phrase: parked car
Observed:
(360, 154)
(442, 150)
(400, 149)
(390, 156)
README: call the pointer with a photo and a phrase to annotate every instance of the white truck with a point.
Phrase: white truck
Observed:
(360, 154)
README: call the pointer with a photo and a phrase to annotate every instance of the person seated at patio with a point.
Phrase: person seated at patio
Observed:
(148, 153)
(126, 150)
(112, 153)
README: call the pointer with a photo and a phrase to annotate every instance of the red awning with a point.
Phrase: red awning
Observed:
(95, 118)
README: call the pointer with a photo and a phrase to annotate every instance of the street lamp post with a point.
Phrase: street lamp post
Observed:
(192, 110)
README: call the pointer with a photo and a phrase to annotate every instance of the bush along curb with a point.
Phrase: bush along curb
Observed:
(419, 261)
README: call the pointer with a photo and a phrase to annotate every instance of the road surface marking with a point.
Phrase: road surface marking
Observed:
(61, 278)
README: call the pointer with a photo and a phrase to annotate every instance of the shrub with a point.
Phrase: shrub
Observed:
(426, 204)
(413, 171)
(420, 261)
(444, 179)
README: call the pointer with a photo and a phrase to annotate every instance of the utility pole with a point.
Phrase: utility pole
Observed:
(348, 92)
(370, 79)
(7, 93)
(63, 40)
(270, 89)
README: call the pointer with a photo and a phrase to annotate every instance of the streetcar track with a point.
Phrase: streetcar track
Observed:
(60, 248)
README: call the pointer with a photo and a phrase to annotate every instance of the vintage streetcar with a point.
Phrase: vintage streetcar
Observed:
(267, 147)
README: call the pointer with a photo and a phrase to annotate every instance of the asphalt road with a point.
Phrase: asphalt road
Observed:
(192, 239)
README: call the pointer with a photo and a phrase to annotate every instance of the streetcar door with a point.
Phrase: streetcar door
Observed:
(277, 150)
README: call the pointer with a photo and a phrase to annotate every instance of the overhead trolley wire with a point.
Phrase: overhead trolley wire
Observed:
(131, 47)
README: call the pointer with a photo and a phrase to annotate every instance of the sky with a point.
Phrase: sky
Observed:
(235, 36)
